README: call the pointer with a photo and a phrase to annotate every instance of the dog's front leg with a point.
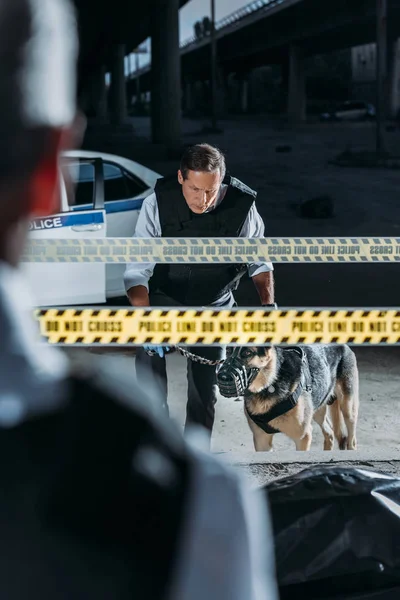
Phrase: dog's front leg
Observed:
(304, 443)
(262, 441)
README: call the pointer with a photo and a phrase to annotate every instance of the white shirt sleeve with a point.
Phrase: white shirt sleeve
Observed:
(147, 226)
(254, 227)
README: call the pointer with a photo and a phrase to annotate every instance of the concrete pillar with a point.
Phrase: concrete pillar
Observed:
(296, 106)
(198, 96)
(93, 99)
(118, 86)
(221, 92)
(244, 95)
(284, 88)
(394, 80)
(206, 97)
(166, 75)
(102, 97)
(188, 91)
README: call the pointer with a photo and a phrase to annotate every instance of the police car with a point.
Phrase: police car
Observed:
(101, 196)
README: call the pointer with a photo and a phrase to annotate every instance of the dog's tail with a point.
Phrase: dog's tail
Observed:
(338, 424)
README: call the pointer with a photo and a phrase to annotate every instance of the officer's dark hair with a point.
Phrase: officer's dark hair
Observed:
(203, 158)
(28, 29)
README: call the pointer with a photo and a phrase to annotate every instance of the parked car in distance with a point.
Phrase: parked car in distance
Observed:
(350, 111)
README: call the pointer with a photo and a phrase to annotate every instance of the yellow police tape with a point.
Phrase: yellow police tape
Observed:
(214, 250)
(222, 326)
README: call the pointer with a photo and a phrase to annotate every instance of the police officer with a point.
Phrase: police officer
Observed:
(99, 499)
(201, 202)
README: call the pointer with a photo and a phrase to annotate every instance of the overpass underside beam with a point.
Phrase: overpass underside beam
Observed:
(296, 105)
(166, 75)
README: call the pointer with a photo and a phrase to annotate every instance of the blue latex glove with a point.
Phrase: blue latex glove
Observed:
(160, 350)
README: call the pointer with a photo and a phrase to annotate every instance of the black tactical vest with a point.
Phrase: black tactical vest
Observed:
(197, 284)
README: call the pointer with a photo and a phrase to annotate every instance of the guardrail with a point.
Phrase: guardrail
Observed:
(235, 17)
(238, 15)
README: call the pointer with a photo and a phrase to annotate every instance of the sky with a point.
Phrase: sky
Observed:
(193, 11)
(197, 9)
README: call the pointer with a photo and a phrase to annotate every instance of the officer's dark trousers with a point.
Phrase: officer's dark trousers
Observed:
(200, 408)
(202, 389)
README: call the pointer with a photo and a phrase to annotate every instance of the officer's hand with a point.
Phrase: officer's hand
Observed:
(160, 350)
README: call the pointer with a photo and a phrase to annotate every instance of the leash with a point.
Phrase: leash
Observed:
(214, 363)
(193, 357)
(197, 358)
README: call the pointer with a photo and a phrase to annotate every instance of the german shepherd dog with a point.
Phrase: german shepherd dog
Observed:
(285, 388)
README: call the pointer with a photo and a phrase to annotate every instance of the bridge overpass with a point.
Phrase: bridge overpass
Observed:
(283, 32)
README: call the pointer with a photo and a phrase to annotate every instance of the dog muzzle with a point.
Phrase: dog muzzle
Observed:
(233, 377)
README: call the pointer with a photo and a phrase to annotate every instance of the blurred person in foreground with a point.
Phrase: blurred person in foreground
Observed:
(100, 498)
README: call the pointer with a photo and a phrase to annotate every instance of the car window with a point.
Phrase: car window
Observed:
(79, 180)
(119, 184)
(357, 106)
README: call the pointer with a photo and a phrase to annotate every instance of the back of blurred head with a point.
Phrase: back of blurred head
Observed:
(38, 55)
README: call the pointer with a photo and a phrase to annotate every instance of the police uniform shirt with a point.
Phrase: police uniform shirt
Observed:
(148, 226)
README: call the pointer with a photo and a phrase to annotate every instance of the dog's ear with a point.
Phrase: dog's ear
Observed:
(263, 350)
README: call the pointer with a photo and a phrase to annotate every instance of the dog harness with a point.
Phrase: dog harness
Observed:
(263, 420)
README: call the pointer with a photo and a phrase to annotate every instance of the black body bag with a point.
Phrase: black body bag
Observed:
(337, 534)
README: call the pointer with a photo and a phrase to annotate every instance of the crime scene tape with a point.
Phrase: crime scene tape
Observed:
(214, 250)
(97, 326)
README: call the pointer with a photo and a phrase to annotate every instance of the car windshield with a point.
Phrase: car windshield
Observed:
(351, 106)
